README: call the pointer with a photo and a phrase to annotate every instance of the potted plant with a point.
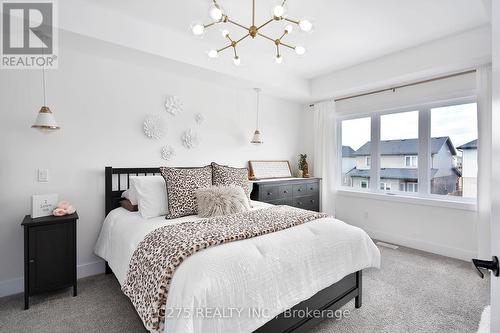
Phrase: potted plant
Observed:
(303, 166)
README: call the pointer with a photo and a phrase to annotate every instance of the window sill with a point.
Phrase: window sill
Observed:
(436, 201)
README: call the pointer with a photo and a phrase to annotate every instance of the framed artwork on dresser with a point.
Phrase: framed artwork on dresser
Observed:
(269, 169)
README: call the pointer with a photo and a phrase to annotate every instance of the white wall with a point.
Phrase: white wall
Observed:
(445, 231)
(100, 95)
(450, 54)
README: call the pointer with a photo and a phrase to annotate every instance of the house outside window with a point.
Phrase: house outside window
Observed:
(449, 153)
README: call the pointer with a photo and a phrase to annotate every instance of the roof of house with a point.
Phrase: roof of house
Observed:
(406, 147)
(390, 173)
(347, 151)
(469, 145)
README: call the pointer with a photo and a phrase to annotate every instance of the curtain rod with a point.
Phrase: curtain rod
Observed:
(393, 89)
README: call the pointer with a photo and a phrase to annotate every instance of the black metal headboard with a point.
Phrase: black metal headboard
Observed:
(117, 180)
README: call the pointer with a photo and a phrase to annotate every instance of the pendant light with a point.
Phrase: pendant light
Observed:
(257, 139)
(45, 120)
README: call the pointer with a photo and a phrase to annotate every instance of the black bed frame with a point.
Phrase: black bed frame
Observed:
(327, 300)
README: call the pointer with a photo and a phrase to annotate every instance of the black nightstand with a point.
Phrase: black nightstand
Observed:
(49, 254)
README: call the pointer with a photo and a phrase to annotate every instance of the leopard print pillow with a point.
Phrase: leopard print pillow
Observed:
(182, 184)
(223, 175)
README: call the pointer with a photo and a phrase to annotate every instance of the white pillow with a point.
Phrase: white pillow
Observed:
(151, 194)
(131, 195)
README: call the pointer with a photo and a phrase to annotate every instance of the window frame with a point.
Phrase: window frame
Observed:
(424, 195)
(412, 158)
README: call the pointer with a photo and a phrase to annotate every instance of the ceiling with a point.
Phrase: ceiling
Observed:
(346, 32)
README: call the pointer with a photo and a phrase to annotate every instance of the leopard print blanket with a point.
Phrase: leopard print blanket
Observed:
(155, 260)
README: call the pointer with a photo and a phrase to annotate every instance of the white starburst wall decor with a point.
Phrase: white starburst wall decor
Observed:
(199, 118)
(167, 152)
(190, 139)
(154, 127)
(174, 105)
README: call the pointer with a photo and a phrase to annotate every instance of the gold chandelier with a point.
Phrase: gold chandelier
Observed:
(218, 15)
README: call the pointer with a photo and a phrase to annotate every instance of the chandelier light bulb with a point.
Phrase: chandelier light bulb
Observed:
(237, 60)
(305, 25)
(215, 12)
(279, 59)
(225, 33)
(289, 28)
(213, 53)
(278, 11)
(300, 50)
(198, 29)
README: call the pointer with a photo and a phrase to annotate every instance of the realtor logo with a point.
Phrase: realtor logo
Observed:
(29, 36)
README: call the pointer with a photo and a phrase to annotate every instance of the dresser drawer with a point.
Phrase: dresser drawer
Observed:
(310, 202)
(269, 193)
(312, 188)
(281, 202)
(285, 191)
(299, 190)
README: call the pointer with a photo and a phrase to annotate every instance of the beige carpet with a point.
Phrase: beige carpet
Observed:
(412, 292)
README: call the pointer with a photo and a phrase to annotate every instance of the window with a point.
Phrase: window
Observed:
(398, 148)
(411, 161)
(356, 152)
(412, 187)
(441, 163)
(454, 150)
(385, 186)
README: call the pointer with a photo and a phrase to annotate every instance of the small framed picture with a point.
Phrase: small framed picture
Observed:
(43, 204)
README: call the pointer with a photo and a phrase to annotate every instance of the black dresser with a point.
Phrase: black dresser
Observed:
(49, 254)
(298, 192)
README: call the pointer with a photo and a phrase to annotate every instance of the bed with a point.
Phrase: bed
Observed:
(268, 283)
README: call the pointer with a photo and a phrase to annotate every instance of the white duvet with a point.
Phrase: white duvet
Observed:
(239, 286)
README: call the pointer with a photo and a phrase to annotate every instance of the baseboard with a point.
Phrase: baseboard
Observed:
(16, 286)
(422, 245)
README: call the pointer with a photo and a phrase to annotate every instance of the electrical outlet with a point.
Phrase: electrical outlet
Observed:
(43, 175)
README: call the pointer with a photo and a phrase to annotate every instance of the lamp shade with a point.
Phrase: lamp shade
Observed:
(257, 139)
(45, 120)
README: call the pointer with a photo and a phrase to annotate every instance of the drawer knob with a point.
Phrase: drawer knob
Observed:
(31, 261)
(269, 193)
(312, 201)
(285, 191)
(299, 190)
(299, 203)
(312, 188)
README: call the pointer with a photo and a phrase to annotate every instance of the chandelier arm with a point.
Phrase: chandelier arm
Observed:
(289, 46)
(237, 24)
(242, 38)
(284, 34)
(263, 25)
(278, 50)
(210, 24)
(291, 20)
(224, 48)
(253, 12)
(267, 37)
(235, 53)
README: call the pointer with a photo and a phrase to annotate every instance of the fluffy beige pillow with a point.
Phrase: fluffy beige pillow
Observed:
(221, 200)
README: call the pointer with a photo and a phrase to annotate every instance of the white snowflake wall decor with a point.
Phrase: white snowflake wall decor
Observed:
(167, 153)
(173, 104)
(154, 127)
(190, 139)
(199, 118)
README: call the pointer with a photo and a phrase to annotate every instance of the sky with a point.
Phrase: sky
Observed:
(459, 122)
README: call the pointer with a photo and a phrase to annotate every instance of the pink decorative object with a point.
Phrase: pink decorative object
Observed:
(64, 208)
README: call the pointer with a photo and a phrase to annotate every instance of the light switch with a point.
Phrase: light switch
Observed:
(43, 175)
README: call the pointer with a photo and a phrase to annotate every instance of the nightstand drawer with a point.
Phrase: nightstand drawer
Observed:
(310, 202)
